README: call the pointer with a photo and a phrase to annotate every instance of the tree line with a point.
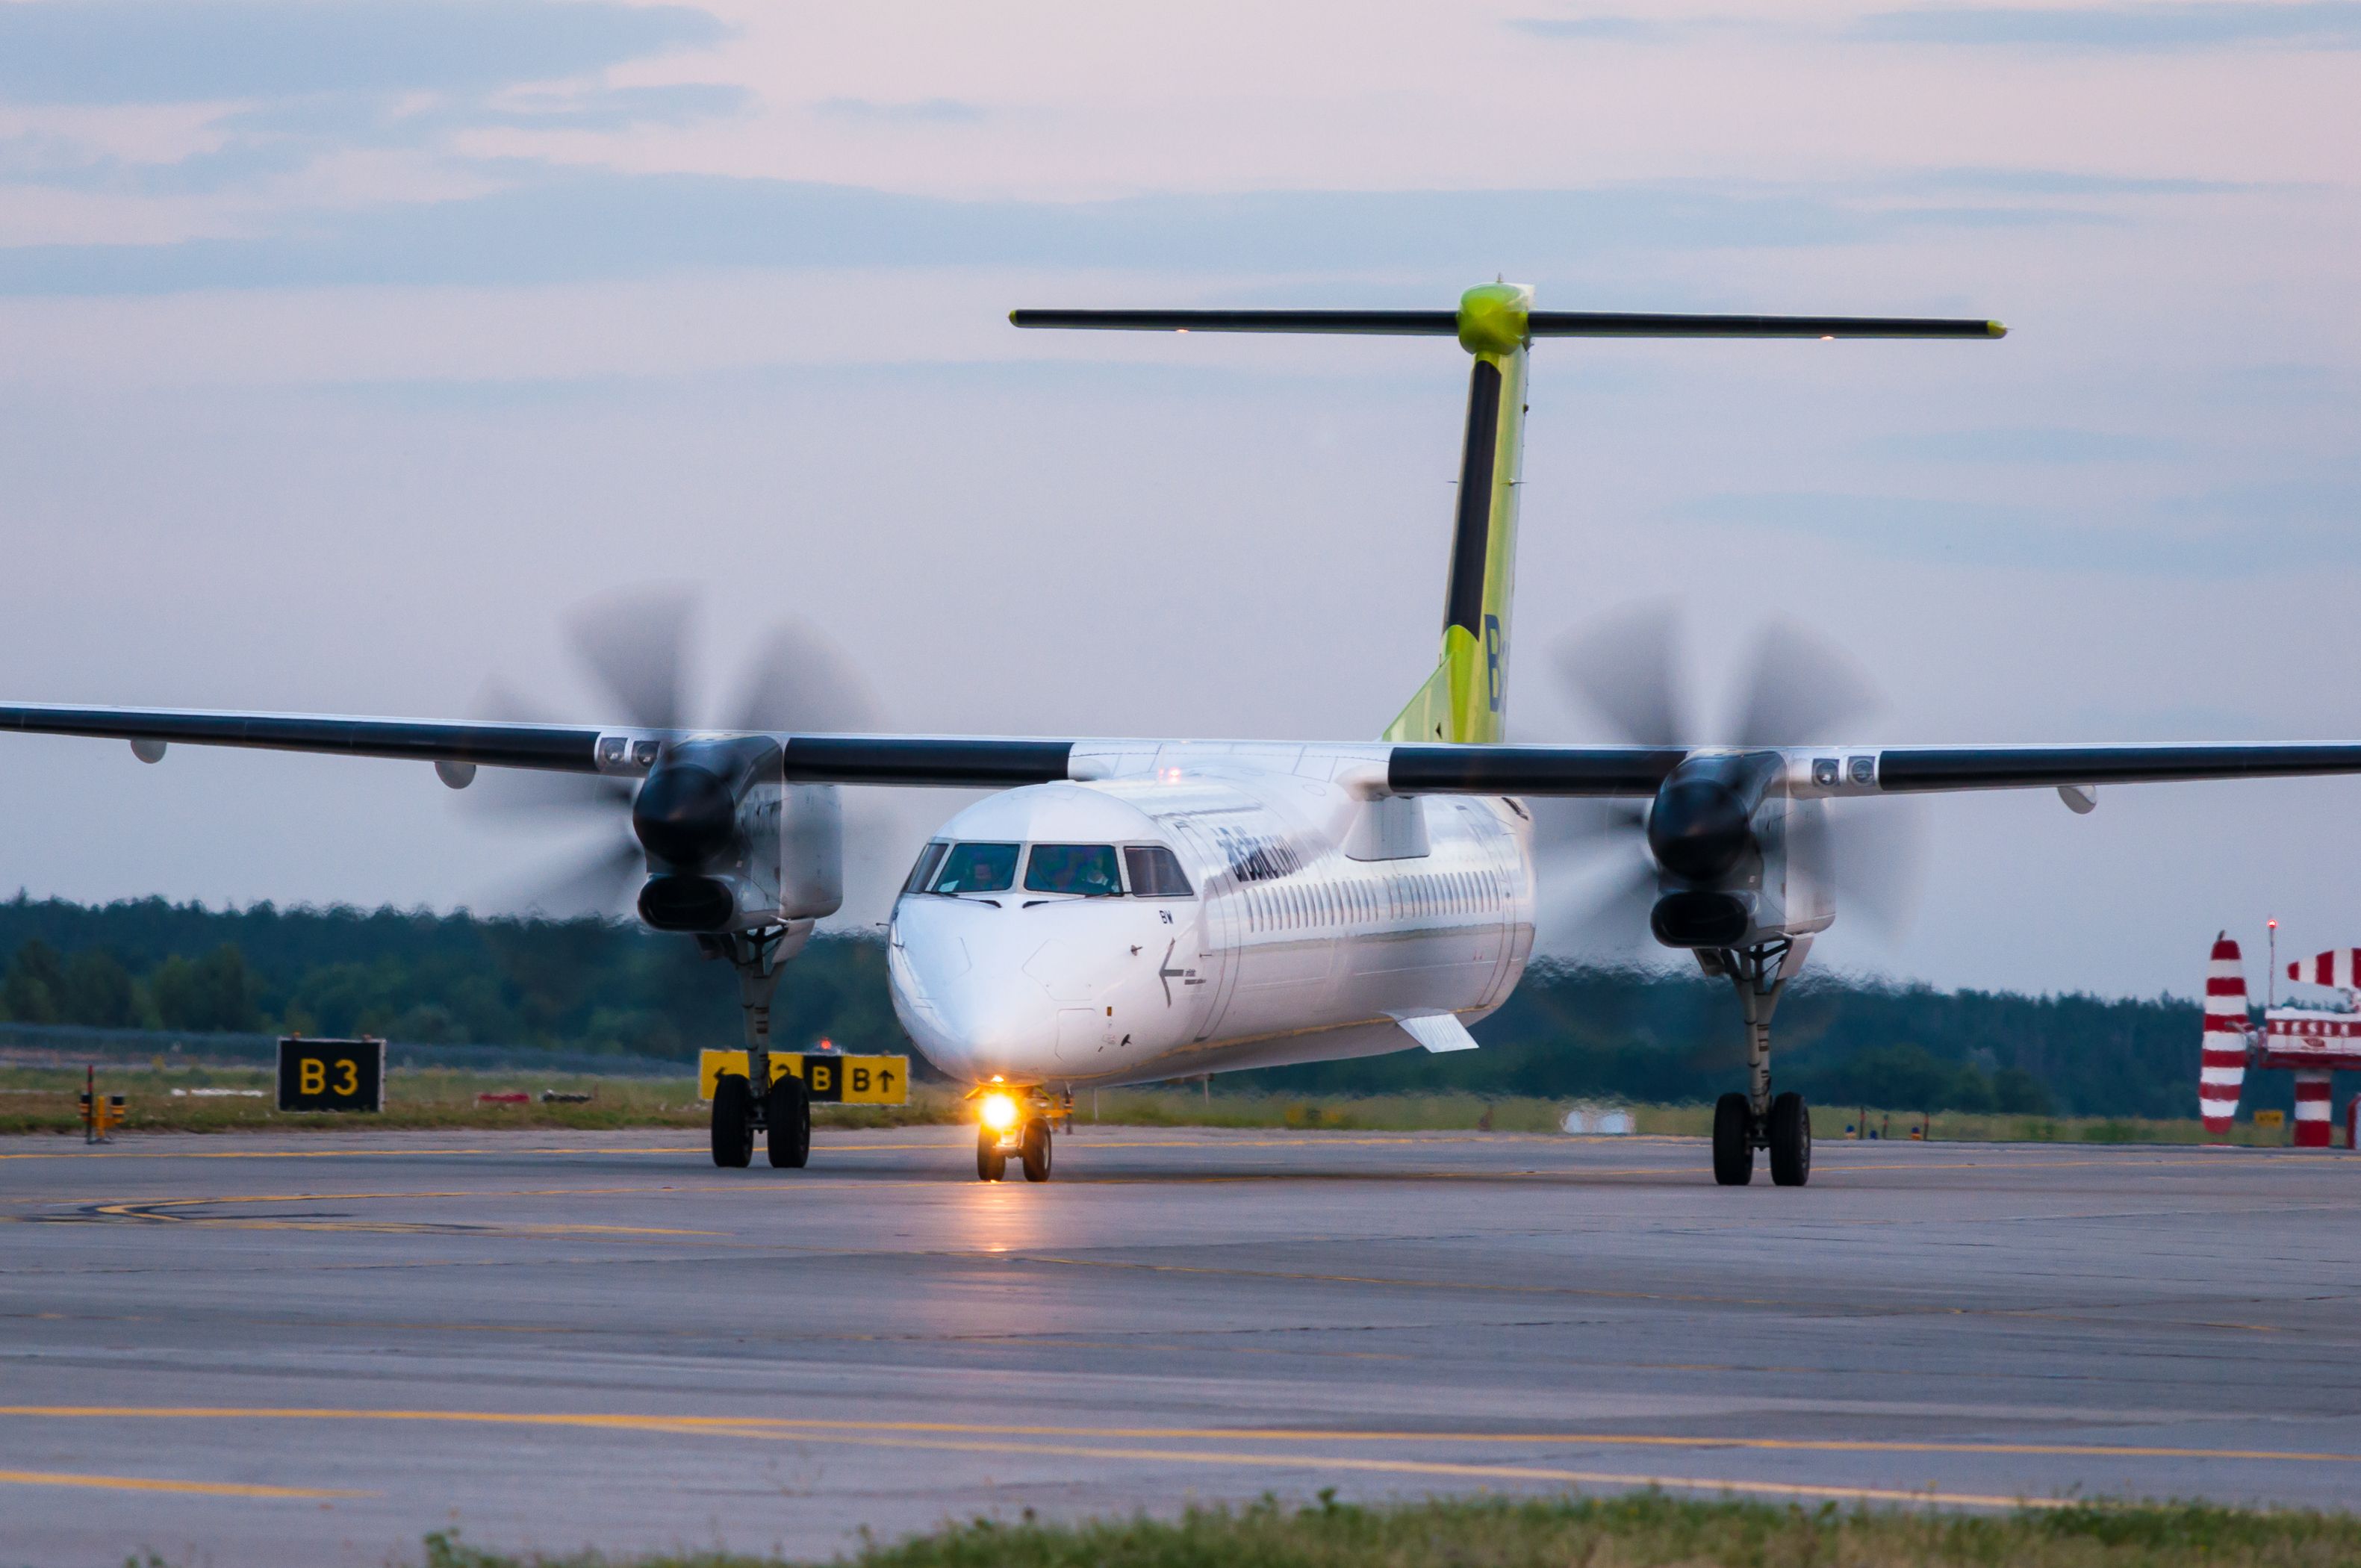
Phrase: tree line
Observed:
(1568, 1031)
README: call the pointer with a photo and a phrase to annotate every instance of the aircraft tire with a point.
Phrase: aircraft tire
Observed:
(991, 1165)
(1791, 1140)
(733, 1122)
(1035, 1153)
(788, 1124)
(1733, 1150)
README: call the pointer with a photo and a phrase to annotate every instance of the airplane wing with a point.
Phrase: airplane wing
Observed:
(1892, 770)
(561, 748)
(952, 760)
(999, 762)
(1921, 768)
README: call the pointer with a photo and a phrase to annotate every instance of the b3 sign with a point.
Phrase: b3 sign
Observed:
(331, 1075)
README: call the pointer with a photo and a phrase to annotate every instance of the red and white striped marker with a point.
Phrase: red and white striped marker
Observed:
(2312, 1125)
(2337, 967)
(2221, 1070)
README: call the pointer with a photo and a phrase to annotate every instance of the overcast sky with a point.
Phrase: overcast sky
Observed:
(346, 348)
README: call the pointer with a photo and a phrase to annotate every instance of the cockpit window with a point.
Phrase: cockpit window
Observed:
(1155, 872)
(977, 868)
(930, 859)
(1085, 869)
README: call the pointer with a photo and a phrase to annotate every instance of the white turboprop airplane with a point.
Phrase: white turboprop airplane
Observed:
(1124, 911)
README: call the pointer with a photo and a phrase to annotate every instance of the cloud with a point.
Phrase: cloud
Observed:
(158, 52)
(2145, 29)
(616, 108)
(554, 225)
(2293, 526)
(2064, 183)
(923, 112)
(2031, 444)
(286, 137)
(60, 163)
(1602, 29)
(2127, 29)
(358, 120)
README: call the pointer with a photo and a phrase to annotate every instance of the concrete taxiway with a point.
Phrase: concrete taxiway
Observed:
(315, 1349)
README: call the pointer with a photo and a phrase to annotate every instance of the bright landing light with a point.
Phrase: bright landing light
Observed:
(999, 1111)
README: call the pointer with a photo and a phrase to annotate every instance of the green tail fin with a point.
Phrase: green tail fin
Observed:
(1466, 698)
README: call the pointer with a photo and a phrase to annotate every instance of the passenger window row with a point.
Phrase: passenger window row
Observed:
(1294, 906)
(1430, 893)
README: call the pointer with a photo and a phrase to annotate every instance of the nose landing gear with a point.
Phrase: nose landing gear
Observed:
(1035, 1151)
(1013, 1127)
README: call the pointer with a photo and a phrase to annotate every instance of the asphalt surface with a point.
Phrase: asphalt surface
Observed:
(315, 1349)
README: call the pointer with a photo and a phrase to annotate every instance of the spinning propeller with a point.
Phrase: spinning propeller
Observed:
(1676, 854)
(685, 813)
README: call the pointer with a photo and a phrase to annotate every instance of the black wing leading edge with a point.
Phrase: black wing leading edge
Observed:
(1921, 768)
(944, 760)
(1914, 770)
(552, 747)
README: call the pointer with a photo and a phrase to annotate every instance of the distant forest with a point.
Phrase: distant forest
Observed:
(1568, 1032)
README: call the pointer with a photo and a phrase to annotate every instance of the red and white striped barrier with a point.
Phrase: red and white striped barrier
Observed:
(2221, 1071)
(2312, 1121)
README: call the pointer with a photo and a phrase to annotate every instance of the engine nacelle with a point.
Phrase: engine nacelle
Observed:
(1740, 859)
(731, 846)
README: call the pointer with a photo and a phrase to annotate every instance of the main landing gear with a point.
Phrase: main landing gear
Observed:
(782, 1113)
(1013, 1126)
(1757, 1120)
(782, 1117)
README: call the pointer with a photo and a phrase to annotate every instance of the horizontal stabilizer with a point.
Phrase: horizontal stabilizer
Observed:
(1635, 323)
(1537, 323)
(1406, 324)
(1437, 1031)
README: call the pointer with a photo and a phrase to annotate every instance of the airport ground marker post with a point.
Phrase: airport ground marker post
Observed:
(99, 1115)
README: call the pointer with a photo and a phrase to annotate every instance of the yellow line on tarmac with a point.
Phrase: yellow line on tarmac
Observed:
(119, 1152)
(1586, 1292)
(152, 1208)
(343, 1197)
(787, 1426)
(1330, 1462)
(995, 1440)
(150, 1484)
(552, 1229)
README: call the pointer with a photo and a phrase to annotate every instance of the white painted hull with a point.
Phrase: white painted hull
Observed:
(1305, 957)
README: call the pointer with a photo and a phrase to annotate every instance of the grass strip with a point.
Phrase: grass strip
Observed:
(42, 1100)
(1638, 1531)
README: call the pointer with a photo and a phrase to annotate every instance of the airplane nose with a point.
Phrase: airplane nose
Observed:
(991, 1018)
(974, 1016)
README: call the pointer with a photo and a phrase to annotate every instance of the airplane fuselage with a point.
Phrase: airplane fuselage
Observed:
(1206, 909)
